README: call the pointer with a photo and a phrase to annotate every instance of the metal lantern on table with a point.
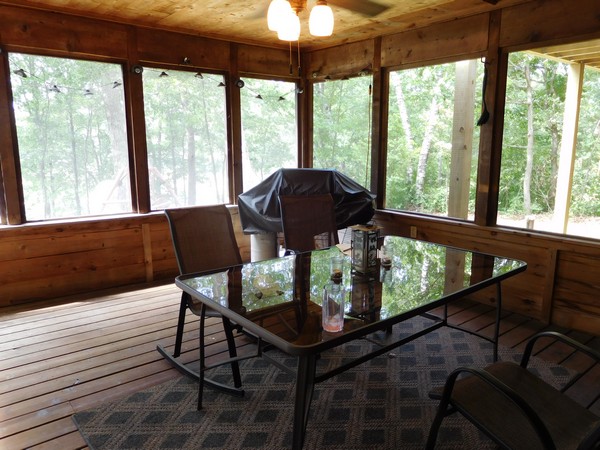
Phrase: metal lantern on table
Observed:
(364, 248)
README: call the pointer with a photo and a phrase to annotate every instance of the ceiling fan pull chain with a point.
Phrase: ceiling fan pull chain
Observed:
(298, 45)
(291, 65)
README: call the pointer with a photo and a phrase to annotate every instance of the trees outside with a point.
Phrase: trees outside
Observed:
(186, 135)
(585, 199)
(269, 128)
(342, 127)
(536, 99)
(420, 137)
(73, 155)
(72, 138)
(532, 132)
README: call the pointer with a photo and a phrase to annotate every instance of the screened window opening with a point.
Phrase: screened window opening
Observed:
(433, 139)
(186, 135)
(342, 127)
(550, 172)
(72, 138)
(269, 129)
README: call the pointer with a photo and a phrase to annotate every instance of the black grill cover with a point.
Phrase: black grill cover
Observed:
(259, 207)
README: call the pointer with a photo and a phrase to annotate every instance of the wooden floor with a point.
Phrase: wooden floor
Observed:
(71, 355)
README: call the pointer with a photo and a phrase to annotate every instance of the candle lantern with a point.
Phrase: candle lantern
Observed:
(364, 248)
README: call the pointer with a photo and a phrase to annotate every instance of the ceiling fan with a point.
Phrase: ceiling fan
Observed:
(283, 15)
(365, 7)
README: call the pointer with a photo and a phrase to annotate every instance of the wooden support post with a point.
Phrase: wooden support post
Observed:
(568, 147)
(462, 139)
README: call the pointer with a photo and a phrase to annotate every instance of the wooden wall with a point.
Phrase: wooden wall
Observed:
(560, 285)
(39, 262)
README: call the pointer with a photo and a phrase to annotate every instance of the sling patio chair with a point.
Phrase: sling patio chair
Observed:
(516, 408)
(308, 222)
(203, 239)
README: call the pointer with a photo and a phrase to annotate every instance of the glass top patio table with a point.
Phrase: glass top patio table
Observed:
(289, 290)
(279, 300)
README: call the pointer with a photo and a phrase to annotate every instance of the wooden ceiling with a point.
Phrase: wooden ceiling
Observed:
(245, 20)
(587, 53)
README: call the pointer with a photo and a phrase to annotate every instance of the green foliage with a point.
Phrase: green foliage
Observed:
(547, 88)
(585, 198)
(342, 127)
(186, 134)
(269, 132)
(421, 116)
(72, 140)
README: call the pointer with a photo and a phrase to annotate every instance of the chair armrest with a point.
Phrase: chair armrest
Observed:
(594, 354)
(507, 392)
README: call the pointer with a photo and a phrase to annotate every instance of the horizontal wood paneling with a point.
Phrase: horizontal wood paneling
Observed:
(336, 62)
(46, 261)
(548, 21)
(576, 301)
(466, 36)
(32, 29)
(254, 60)
(562, 290)
(172, 48)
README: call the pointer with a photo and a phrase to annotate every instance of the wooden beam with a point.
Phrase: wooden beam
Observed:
(490, 134)
(568, 147)
(462, 139)
(379, 132)
(136, 129)
(449, 40)
(304, 107)
(234, 114)
(549, 22)
(12, 195)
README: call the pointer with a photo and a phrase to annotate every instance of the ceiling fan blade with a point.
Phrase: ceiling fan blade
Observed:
(260, 11)
(364, 7)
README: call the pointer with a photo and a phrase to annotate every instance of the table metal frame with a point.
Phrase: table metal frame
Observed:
(306, 376)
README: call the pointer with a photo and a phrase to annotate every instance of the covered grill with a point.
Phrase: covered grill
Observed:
(259, 206)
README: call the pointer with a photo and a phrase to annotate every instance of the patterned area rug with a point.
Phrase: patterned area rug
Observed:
(382, 404)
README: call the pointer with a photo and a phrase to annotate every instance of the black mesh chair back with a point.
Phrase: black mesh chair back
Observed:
(308, 222)
(203, 239)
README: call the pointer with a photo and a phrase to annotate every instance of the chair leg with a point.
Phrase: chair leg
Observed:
(444, 409)
(235, 367)
(180, 324)
(435, 427)
(202, 357)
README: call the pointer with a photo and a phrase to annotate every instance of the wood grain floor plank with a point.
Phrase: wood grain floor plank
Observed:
(75, 353)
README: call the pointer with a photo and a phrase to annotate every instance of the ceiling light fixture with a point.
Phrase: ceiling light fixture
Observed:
(320, 22)
(282, 17)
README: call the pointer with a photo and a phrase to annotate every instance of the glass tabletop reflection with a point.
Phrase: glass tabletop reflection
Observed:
(282, 297)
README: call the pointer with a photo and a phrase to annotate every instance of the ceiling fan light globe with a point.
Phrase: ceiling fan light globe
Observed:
(289, 29)
(320, 22)
(276, 13)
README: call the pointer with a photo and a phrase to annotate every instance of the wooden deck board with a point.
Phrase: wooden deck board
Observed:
(72, 354)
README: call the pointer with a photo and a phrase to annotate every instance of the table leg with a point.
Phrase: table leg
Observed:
(498, 318)
(305, 384)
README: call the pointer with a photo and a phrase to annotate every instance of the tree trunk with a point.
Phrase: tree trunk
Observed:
(426, 145)
(401, 102)
(74, 162)
(208, 140)
(191, 165)
(530, 140)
